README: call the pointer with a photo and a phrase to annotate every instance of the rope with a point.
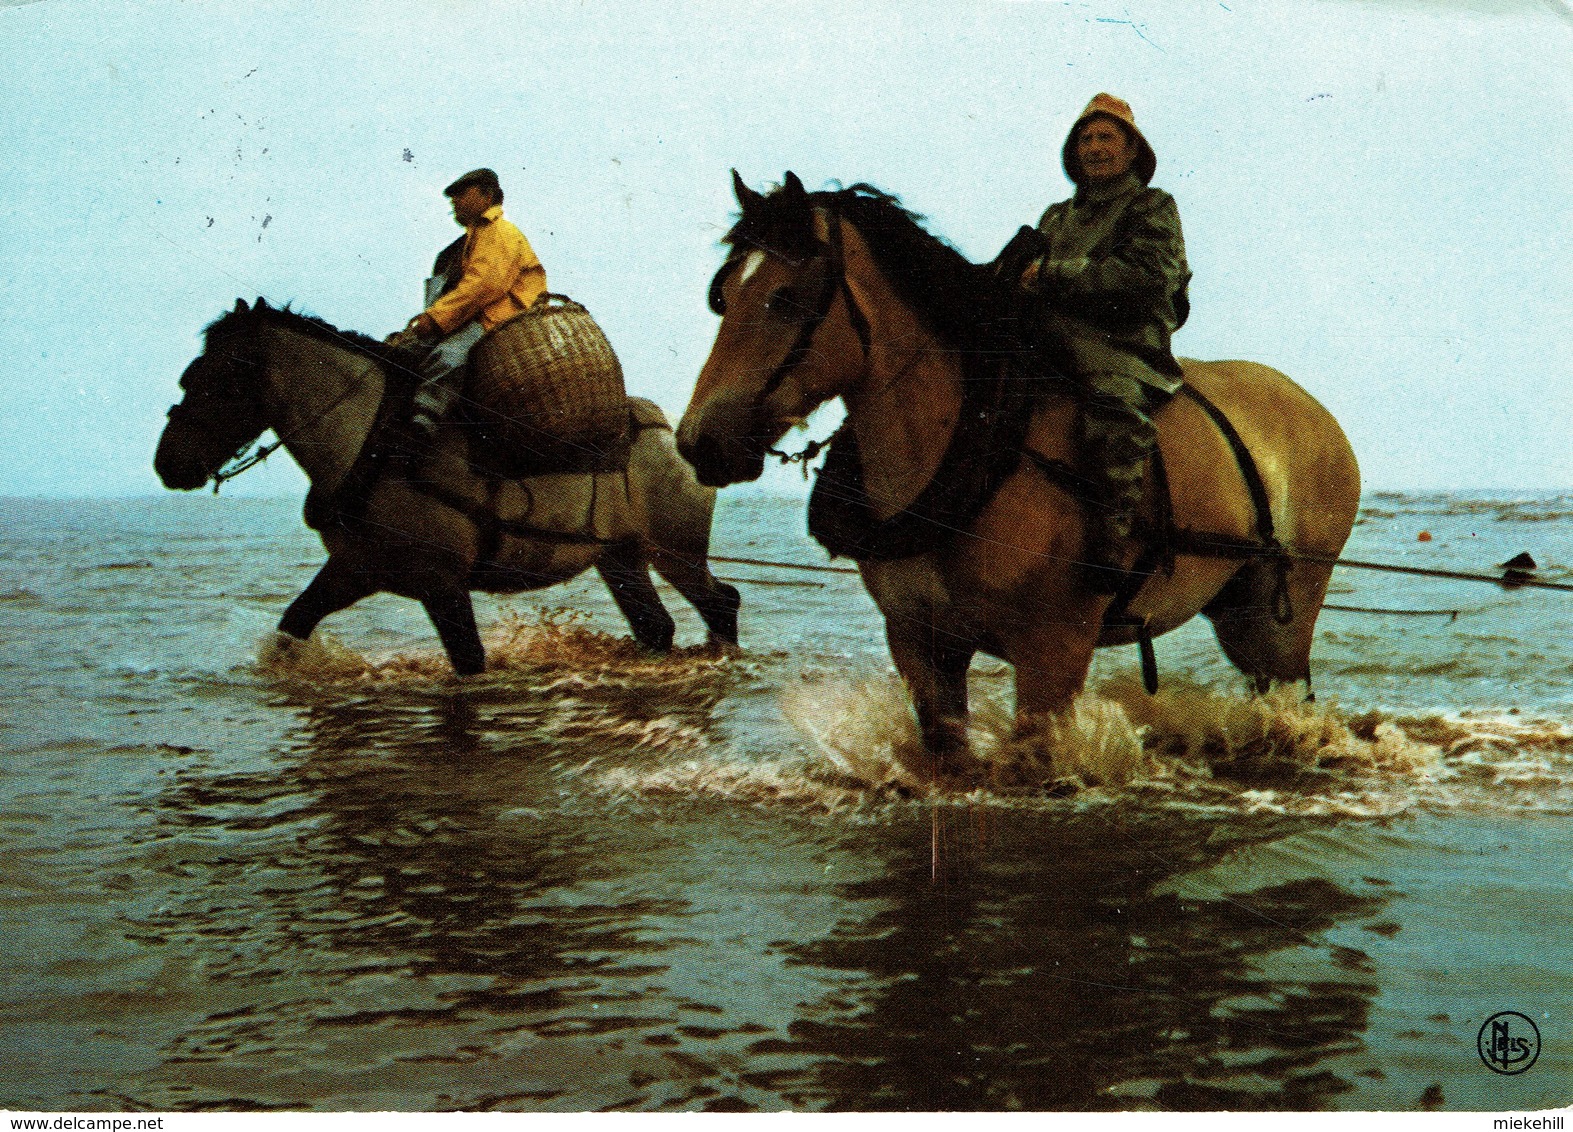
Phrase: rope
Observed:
(1511, 580)
(244, 462)
(785, 565)
(1450, 614)
(774, 582)
(810, 450)
(1507, 582)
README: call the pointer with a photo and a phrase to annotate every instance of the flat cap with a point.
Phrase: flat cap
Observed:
(483, 177)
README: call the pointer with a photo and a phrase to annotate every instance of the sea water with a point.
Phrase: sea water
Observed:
(241, 876)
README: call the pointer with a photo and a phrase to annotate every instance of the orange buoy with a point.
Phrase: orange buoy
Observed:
(1423, 536)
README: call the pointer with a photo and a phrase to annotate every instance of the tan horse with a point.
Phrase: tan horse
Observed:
(842, 294)
(432, 527)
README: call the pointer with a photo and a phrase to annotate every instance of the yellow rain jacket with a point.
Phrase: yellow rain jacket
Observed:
(501, 277)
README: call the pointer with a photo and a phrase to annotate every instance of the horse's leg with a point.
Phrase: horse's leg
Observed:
(935, 672)
(623, 568)
(335, 587)
(453, 615)
(1249, 633)
(1051, 662)
(677, 517)
(716, 601)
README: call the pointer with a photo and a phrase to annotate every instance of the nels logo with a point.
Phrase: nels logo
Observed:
(1509, 1042)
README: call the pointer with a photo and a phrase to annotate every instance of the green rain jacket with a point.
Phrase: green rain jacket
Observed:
(1114, 276)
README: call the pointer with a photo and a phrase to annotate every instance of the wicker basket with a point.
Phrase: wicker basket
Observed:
(546, 390)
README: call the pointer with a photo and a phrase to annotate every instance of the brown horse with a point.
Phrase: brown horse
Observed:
(843, 294)
(431, 526)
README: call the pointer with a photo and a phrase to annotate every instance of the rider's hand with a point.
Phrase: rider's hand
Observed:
(1029, 277)
(424, 327)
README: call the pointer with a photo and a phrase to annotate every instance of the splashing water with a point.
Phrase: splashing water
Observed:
(555, 645)
(551, 675)
(868, 733)
(592, 879)
(1187, 748)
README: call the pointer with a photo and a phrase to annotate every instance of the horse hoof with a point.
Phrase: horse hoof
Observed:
(955, 768)
(279, 647)
(721, 647)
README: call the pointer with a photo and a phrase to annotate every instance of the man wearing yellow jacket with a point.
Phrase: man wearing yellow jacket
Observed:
(499, 277)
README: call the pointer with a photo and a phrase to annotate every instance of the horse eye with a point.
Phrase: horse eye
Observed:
(784, 303)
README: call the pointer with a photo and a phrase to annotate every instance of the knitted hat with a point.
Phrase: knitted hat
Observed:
(1106, 105)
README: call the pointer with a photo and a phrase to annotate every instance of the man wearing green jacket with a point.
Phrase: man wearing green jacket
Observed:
(1111, 282)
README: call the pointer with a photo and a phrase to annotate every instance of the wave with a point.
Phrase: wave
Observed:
(1529, 508)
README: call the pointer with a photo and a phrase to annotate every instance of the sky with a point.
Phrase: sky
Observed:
(1376, 196)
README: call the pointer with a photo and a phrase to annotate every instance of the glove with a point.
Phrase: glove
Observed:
(1025, 246)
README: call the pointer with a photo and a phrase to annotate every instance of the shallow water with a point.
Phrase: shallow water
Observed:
(332, 877)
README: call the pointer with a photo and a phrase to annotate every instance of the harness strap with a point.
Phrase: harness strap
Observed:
(347, 505)
(492, 528)
(1283, 608)
(1242, 457)
(1163, 539)
(1060, 473)
(835, 283)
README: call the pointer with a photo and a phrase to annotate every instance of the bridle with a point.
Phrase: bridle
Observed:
(835, 283)
(235, 386)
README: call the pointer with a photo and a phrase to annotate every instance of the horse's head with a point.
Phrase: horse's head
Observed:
(222, 410)
(789, 336)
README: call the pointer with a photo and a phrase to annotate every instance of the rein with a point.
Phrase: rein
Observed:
(805, 457)
(243, 461)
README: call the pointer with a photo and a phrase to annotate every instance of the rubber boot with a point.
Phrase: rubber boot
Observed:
(1115, 439)
(431, 404)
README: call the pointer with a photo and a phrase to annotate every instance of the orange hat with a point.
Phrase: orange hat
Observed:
(1108, 106)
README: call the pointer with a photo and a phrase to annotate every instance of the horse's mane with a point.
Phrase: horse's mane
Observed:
(223, 333)
(966, 308)
(952, 295)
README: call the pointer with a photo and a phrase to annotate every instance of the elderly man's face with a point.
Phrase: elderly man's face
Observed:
(470, 204)
(1105, 150)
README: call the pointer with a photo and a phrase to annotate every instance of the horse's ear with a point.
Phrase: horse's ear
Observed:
(240, 306)
(746, 197)
(793, 187)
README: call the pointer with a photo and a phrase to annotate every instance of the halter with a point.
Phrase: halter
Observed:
(249, 456)
(835, 282)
